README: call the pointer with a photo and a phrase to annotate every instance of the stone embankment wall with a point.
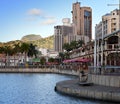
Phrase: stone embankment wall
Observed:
(105, 80)
(39, 70)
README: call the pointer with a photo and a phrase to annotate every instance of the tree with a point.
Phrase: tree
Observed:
(42, 61)
(16, 50)
(73, 45)
(51, 59)
(61, 56)
(32, 50)
(8, 51)
(24, 49)
(67, 47)
(80, 43)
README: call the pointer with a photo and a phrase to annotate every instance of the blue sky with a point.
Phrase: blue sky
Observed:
(22, 17)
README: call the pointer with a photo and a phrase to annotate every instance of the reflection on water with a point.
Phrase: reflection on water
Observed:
(35, 89)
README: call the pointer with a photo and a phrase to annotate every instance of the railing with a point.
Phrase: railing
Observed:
(81, 53)
(74, 67)
(112, 46)
(104, 70)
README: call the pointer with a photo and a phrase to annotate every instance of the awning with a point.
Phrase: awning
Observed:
(52, 63)
(77, 60)
(36, 60)
(83, 60)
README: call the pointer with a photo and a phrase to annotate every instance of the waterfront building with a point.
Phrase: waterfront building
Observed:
(82, 20)
(109, 23)
(52, 54)
(13, 60)
(108, 40)
(105, 49)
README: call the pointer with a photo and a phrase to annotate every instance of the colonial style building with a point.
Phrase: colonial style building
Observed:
(108, 39)
(105, 49)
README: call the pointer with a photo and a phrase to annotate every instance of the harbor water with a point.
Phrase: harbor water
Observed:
(36, 88)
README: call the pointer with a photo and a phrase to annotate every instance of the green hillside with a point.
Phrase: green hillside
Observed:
(41, 43)
(44, 42)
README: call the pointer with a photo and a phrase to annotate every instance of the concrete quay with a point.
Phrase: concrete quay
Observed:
(39, 70)
(100, 92)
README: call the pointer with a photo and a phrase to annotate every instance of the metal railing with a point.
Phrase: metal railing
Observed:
(104, 70)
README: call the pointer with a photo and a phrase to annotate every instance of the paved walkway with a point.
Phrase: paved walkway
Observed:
(72, 87)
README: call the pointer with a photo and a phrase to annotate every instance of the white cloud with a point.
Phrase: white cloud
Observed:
(49, 17)
(40, 15)
(34, 12)
(31, 19)
(48, 22)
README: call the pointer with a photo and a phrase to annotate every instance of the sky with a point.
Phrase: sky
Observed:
(22, 17)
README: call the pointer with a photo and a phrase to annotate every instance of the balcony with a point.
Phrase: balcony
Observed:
(112, 47)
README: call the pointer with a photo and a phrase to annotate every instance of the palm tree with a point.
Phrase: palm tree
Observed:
(16, 50)
(67, 47)
(80, 43)
(8, 51)
(32, 50)
(61, 56)
(73, 45)
(1, 52)
(24, 49)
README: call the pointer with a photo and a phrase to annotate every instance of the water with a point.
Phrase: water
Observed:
(35, 89)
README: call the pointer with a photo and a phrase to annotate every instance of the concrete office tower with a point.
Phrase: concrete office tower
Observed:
(82, 20)
(60, 31)
(110, 23)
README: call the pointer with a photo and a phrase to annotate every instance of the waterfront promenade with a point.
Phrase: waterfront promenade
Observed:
(99, 92)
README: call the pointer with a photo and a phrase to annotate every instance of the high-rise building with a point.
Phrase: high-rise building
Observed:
(60, 32)
(82, 20)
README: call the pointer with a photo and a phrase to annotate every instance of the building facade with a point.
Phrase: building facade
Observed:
(61, 31)
(82, 20)
(110, 23)
(108, 39)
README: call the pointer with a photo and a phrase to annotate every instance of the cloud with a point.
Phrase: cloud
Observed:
(49, 17)
(31, 19)
(35, 12)
(48, 22)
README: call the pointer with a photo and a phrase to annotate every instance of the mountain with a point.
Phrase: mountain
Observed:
(40, 43)
(44, 42)
(30, 37)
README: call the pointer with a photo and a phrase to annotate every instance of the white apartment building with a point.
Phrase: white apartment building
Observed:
(110, 23)
(107, 39)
